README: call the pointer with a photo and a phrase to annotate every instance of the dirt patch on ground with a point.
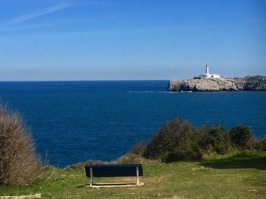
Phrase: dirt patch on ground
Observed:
(37, 195)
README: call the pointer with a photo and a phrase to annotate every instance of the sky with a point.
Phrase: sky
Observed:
(130, 39)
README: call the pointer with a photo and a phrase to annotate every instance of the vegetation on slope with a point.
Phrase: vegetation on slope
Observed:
(235, 175)
(180, 140)
(180, 161)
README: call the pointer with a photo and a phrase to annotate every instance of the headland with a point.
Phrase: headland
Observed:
(213, 82)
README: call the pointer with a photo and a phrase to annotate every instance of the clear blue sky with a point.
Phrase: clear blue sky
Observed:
(130, 39)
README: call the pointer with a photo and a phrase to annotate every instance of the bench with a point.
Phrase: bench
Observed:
(114, 170)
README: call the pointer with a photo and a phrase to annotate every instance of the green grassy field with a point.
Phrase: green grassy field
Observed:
(238, 175)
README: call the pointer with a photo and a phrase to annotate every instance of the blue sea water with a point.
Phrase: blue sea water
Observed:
(75, 121)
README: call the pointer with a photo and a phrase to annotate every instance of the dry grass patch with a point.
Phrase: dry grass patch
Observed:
(19, 164)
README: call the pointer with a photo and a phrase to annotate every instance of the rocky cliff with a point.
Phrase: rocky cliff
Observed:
(202, 84)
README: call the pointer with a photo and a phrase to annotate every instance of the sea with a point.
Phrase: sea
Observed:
(75, 121)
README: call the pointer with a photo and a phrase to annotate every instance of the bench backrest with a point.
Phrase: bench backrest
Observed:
(114, 170)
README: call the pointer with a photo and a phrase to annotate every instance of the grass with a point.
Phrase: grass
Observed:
(237, 175)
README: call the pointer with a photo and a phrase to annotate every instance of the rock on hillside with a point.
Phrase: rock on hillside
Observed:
(203, 84)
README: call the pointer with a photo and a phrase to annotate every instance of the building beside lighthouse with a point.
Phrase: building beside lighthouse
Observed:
(208, 74)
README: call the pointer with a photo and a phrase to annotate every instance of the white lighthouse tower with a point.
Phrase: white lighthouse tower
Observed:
(208, 74)
(207, 70)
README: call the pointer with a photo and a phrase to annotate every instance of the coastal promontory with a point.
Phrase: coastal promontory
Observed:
(213, 82)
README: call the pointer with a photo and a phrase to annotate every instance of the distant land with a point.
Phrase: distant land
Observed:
(213, 82)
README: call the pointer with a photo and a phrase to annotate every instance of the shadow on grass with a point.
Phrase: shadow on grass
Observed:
(239, 161)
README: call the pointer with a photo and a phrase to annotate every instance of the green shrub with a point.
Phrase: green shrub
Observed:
(175, 140)
(260, 144)
(19, 164)
(179, 140)
(214, 140)
(241, 137)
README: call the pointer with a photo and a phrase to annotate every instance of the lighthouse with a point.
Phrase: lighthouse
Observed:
(207, 70)
(208, 74)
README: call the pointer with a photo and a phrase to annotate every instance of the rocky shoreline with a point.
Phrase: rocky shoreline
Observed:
(207, 84)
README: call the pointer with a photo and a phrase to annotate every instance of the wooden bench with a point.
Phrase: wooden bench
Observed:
(114, 170)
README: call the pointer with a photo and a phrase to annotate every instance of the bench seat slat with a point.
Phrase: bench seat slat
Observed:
(116, 170)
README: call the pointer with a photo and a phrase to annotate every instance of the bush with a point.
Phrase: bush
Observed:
(175, 140)
(214, 140)
(241, 136)
(19, 164)
(260, 144)
(179, 140)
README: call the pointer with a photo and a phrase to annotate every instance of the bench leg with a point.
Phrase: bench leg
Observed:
(91, 178)
(137, 171)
